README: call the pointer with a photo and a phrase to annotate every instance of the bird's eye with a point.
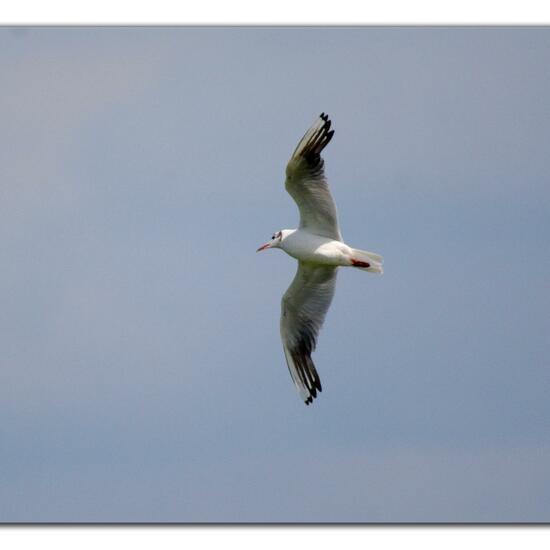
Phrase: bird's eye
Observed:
(273, 236)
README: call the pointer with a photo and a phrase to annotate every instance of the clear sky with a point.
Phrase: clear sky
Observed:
(142, 376)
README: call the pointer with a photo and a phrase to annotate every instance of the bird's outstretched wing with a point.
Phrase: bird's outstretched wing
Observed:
(303, 310)
(307, 185)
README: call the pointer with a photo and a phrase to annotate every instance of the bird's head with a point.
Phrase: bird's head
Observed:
(275, 241)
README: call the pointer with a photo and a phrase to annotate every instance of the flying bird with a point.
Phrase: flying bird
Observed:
(318, 246)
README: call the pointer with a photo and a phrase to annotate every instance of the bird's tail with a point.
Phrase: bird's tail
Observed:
(367, 261)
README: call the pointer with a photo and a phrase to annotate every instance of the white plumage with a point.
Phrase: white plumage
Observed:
(318, 246)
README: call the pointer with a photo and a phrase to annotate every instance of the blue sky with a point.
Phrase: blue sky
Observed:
(142, 376)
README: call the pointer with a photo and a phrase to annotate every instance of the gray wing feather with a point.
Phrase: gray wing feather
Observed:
(307, 185)
(303, 310)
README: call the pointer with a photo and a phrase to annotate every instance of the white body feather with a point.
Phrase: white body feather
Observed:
(306, 247)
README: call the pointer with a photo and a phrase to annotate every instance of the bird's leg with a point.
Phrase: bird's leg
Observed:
(359, 263)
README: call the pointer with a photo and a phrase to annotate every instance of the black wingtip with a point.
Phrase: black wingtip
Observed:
(314, 390)
(326, 127)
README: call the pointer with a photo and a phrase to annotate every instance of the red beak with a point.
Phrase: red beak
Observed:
(263, 247)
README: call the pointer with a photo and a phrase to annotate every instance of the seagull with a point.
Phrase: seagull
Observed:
(318, 246)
